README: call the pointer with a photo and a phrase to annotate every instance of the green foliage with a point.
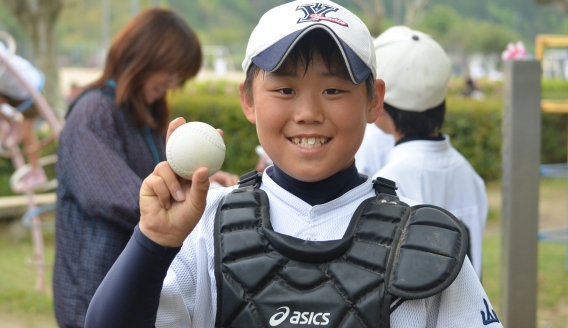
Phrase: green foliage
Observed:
(474, 130)
(446, 26)
(554, 89)
(6, 170)
(460, 25)
(440, 21)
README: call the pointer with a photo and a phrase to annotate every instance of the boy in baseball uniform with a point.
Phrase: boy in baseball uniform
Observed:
(310, 242)
(423, 163)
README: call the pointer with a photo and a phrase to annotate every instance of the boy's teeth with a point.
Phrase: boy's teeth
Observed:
(309, 142)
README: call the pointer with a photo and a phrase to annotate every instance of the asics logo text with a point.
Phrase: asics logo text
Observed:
(299, 318)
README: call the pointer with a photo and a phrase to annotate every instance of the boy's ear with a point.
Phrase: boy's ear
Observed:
(247, 104)
(378, 101)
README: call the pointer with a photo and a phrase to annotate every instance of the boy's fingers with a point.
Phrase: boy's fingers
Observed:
(165, 171)
(199, 189)
(160, 189)
(174, 125)
(221, 132)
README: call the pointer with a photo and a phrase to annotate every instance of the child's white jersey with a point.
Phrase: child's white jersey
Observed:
(433, 172)
(10, 85)
(189, 295)
(372, 155)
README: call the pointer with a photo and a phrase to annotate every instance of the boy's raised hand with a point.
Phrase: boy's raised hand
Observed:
(170, 206)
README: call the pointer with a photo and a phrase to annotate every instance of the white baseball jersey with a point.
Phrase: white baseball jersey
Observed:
(189, 295)
(372, 155)
(433, 172)
(10, 85)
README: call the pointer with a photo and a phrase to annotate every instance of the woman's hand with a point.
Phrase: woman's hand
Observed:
(170, 206)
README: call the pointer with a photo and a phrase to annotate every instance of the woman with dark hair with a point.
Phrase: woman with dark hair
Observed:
(113, 138)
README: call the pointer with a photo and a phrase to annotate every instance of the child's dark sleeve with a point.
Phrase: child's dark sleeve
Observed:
(130, 293)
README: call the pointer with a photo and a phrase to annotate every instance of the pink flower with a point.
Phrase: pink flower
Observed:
(514, 51)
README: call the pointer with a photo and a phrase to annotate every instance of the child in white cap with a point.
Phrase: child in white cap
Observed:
(310, 242)
(374, 150)
(423, 163)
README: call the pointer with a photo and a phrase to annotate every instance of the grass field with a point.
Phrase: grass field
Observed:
(22, 307)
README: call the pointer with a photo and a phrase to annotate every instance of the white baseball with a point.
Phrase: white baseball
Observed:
(193, 145)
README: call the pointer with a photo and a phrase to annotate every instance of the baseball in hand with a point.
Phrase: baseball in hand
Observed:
(193, 145)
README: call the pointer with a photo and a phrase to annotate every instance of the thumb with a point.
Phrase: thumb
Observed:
(199, 188)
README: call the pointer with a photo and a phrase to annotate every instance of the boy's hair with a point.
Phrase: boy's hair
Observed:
(154, 41)
(315, 44)
(417, 123)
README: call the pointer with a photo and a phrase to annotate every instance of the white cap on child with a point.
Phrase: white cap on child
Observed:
(414, 67)
(280, 28)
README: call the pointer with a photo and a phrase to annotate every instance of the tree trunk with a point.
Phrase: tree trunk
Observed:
(39, 20)
(413, 11)
(373, 11)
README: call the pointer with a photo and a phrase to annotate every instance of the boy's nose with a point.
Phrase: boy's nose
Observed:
(308, 111)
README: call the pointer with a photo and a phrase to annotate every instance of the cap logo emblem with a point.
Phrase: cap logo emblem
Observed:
(316, 12)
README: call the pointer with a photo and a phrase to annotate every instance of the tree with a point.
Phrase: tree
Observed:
(39, 19)
(563, 4)
(373, 12)
(413, 10)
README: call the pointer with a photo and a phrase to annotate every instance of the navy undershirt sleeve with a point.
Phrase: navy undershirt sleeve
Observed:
(130, 293)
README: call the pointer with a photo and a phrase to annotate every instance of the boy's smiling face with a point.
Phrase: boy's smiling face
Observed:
(311, 122)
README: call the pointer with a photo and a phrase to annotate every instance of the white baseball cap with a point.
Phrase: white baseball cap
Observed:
(281, 27)
(414, 67)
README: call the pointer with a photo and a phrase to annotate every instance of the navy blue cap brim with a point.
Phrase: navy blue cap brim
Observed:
(272, 57)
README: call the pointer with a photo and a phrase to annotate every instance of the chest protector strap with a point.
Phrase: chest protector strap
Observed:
(389, 251)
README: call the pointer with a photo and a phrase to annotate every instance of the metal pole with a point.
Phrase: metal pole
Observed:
(520, 183)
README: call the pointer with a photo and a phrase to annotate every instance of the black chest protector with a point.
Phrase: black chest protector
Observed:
(389, 251)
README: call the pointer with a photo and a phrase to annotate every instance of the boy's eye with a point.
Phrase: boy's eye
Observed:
(332, 91)
(286, 91)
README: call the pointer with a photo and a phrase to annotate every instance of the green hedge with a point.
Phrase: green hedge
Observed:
(474, 130)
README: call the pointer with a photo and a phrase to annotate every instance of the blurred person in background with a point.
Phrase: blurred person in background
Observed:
(372, 155)
(423, 163)
(17, 109)
(113, 138)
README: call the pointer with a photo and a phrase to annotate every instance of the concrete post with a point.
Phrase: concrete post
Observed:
(520, 183)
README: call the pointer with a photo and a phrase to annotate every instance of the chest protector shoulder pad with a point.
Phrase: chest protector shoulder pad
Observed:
(389, 251)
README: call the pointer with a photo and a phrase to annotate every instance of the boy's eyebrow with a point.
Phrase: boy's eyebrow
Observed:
(280, 73)
(342, 75)
(283, 73)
